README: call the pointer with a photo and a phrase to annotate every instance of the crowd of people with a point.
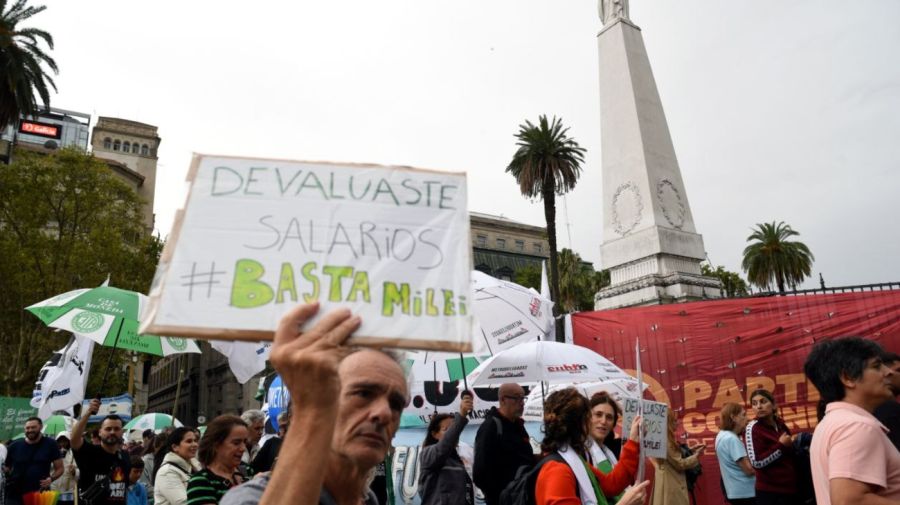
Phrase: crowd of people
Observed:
(334, 447)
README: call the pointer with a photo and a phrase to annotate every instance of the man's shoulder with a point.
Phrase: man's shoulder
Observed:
(251, 492)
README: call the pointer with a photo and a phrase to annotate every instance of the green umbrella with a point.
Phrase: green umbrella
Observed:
(56, 424)
(109, 316)
(155, 422)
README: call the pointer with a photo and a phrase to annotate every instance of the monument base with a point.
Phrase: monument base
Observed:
(655, 288)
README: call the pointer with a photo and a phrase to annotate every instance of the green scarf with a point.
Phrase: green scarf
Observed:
(601, 499)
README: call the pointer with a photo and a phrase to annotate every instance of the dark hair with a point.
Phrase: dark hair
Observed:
(137, 462)
(433, 426)
(466, 393)
(729, 410)
(112, 417)
(566, 415)
(831, 360)
(889, 358)
(162, 445)
(217, 432)
(765, 394)
(148, 433)
(34, 418)
(603, 397)
(95, 433)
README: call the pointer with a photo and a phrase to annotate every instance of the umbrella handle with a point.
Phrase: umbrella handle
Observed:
(109, 361)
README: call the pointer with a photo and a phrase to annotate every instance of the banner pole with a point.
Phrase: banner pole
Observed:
(640, 440)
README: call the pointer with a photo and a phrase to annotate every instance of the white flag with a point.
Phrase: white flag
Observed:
(245, 359)
(62, 380)
(545, 284)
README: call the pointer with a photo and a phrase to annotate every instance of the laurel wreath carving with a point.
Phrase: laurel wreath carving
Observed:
(626, 190)
(674, 216)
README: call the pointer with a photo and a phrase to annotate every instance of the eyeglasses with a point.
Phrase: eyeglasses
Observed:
(515, 398)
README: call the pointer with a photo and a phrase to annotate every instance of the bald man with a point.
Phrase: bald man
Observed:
(501, 445)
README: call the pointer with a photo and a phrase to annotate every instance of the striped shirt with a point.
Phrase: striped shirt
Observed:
(206, 487)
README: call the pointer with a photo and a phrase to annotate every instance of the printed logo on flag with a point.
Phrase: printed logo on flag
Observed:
(179, 344)
(87, 322)
(535, 307)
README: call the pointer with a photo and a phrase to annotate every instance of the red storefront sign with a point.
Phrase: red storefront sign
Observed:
(698, 356)
(40, 129)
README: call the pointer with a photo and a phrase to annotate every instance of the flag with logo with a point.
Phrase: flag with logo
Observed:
(62, 379)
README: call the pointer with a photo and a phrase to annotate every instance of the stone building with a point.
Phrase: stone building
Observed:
(130, 149)
(501, 246)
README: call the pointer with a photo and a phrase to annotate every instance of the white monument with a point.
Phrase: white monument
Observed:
(650, 244)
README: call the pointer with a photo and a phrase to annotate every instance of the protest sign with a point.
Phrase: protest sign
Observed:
(654, 424)
(257, 237)
(13, 413)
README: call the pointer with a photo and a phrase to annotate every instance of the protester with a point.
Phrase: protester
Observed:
(771, 452)
(65, 484)
(152, 444)
(137, 493)
(738, 476)
(603, 446)
(889, 412)
(171, 480)
(670, 483)
(351, 411)
(266, 456)
(104, 462)
(95, 436)
(443, 479)
(568, 478)
(465, 451)
(29, 462)
(220, 451)
(853, 461)
(256, 423)
(501, 444)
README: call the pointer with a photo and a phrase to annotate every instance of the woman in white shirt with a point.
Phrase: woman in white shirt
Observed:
(170, 486)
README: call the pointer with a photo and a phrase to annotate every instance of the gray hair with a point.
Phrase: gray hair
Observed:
(253, 415)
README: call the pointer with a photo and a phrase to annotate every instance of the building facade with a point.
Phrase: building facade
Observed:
(501, 246)
(130, 149)
(51, 129)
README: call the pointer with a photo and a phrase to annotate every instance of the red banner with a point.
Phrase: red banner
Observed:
(698, 356)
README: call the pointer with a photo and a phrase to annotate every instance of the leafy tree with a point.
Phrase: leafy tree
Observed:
(773, 260)
(732, 283)
(66, 222)
(22, 62)
(528, 276)
(547, 163)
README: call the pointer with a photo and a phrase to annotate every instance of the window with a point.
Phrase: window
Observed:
(501, 243)
(135, 148)
(481, 240)
(126, 147)
(520, 245)
(107, 143)
(117, 145)
(538, 248)
(145, 151)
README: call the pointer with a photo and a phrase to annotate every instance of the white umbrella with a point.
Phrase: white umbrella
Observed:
(155, 422)
(508, 314)
(544, 361)
(618, 389)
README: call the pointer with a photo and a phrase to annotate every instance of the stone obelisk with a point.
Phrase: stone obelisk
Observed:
(650, 244)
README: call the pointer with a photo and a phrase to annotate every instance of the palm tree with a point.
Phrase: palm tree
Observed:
(547, 163)
(21, 61)
(774, 260)
(572, 280)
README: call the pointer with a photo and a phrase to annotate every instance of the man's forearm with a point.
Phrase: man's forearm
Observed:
(57, 470)
(78, 432)
(303, 458)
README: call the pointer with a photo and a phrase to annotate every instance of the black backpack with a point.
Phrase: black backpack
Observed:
(521, 490)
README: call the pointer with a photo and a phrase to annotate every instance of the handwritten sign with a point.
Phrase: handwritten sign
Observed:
(257, 237)
(654, 424)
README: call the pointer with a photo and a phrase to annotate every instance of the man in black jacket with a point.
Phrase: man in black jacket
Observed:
(501, 445)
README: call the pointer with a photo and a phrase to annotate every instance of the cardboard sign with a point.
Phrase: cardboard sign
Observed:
(654, 423)
(257, 237)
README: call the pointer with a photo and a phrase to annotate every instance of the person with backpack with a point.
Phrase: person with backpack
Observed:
(564, 477)
(171, 480)
(443, 479)
(502, 445)
(670, 483)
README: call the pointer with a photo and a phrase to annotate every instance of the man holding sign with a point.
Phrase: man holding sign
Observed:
(347, 408)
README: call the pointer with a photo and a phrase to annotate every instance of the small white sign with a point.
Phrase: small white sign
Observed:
(654, 424)
(258, 236)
